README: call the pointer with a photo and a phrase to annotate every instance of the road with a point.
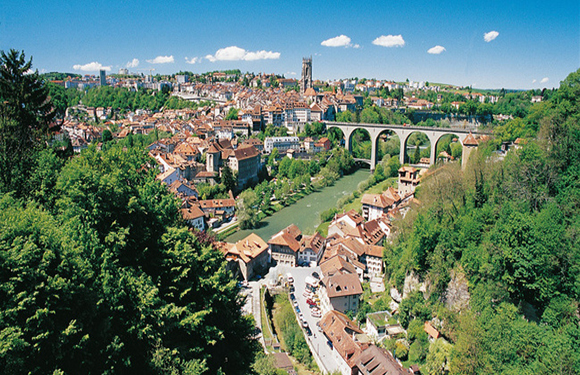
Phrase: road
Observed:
(317, 341)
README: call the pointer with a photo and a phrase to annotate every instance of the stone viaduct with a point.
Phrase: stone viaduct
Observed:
(403, 131)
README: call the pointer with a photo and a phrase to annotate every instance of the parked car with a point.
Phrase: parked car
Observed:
(316, 275)
(292, 297)
(310, 302)
(308, 331)
(315, 313)
(304, 324)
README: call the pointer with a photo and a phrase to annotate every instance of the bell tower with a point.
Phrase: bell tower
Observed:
(306, 80)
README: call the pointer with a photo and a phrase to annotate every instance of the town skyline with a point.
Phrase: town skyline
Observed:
(518, 46)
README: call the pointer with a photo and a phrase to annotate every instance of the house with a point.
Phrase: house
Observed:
(375, 360)
(221, 207)
(259, 145)
(281, 143)
(366, 258)
(249, 256)
(408, 180)
(245, 160)
(194, 217)
(285, 245)
(169, 176)
(432, 331)
(340, 292)
(183, 189)
(351, 224)
(376, 205)
(311, 249)
(345, 338)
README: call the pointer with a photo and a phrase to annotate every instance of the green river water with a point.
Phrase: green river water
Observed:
(306, 212)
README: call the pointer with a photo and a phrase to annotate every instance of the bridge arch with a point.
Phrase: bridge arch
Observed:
(451, 144)
(387, 143)
(403, 132)
(416, 147)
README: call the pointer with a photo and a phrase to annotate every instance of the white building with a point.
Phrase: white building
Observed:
(281, 143)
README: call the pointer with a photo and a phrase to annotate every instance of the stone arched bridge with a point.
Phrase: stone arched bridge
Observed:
(403, 131)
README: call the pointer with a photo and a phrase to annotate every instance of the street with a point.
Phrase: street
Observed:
(317, 341)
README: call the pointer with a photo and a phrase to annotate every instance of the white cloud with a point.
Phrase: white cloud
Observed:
(162, 60)
(133, 63)
(291, 73)
(389, 41)
(356, 46)
(234, 53)
(193, 60)
(488, 37)
(91, 67)
(338, 41)
(534, 81)
(544, 80)
(436, 50)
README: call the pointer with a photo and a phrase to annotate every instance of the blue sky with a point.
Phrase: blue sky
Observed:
(536, 44)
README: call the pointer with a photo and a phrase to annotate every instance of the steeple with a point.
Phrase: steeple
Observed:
(306, 80)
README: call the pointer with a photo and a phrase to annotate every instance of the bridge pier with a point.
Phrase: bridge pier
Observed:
(403, 132)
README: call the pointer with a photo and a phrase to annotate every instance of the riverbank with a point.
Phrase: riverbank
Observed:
(305, 213)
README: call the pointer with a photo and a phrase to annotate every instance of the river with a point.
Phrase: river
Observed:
(306, 212)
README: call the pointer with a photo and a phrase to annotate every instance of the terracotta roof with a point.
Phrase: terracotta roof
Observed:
(342, 284)
(341, 331)
(217, 203)
(377, 200)
(431, 331)
(246, 152)
(248, 248)
(288, 237)
(334, 265)
(310, 92)
(378, 361)
(470, 140)
(194, 212)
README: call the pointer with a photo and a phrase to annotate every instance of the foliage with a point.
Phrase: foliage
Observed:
(292, 338)
(25, 116)
(246, 209)
(108, 281)
(511, 226)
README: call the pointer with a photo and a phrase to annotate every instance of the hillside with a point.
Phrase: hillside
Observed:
(510, 229)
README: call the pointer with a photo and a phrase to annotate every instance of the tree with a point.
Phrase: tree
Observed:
(228, 179)
(232, 114)
(25, 116)
(107, 280)
(246, 209)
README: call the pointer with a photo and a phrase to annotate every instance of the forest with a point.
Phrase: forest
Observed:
(508, 230)
(98, 273)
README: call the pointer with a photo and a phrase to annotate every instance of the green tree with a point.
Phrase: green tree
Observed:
(228, 179)
(246, 209)
(25, 116)
(232, 114)
(108, 281)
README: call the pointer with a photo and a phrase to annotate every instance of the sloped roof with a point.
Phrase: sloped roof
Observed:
(288, 237)
(378, 361)
(191, 213)
(340, 330)
(246, 152)
(342, 284)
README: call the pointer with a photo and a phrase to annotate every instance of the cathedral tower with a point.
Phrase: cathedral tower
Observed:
(306, 80)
